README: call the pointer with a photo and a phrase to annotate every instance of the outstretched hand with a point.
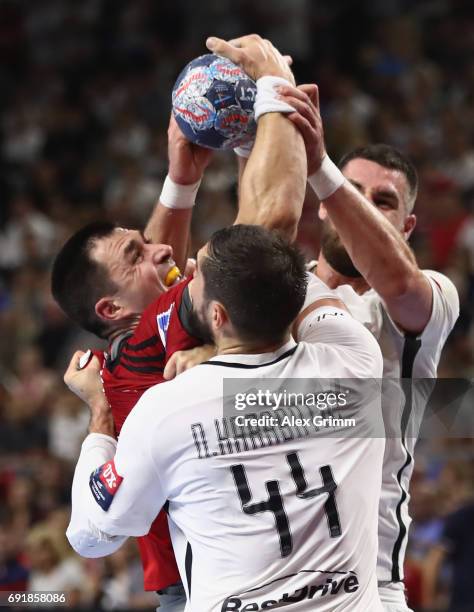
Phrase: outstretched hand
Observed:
(255, 55)
(307, 118)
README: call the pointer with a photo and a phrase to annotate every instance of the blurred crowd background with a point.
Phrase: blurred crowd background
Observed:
(84, 110)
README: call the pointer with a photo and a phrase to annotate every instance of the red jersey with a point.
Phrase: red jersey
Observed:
(136, 362)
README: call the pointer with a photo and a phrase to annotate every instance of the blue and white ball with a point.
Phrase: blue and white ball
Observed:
(213, 103)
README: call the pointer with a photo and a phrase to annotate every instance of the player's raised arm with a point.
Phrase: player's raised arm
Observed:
(273, 184)
(381, 254)
(377, 248)
(170, 221)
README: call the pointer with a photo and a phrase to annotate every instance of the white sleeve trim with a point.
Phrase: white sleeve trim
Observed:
(90, 542)
(444, 310)
(100, 441)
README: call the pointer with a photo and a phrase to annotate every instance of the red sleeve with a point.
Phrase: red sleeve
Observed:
(136, 363)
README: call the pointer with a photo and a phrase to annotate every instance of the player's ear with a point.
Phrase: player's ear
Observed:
(108, 309)
(219, 316)
(409, 226)
(322, 212)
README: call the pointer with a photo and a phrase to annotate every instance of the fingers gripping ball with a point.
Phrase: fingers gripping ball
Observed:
(213, 103)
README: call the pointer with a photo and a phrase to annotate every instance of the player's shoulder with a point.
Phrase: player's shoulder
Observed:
(156, 317)
(163, 410)
(342, 345)
(445, 309)
(168, 399)
(169, 298)
(445, 286)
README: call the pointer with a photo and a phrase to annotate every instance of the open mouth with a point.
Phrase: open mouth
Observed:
(171, 273)
(173, 277)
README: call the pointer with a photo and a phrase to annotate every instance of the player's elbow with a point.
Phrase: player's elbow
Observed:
(402, 283)
(88, 545)
(281, 220)
(81, 544)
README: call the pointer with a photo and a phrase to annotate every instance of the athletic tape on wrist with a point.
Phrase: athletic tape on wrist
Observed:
(174, 195)
(327, 179)
(266, 100)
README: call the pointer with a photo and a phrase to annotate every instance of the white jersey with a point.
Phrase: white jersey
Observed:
(405, 356)
(260, 517)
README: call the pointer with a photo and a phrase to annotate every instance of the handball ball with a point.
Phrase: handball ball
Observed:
(213, 103)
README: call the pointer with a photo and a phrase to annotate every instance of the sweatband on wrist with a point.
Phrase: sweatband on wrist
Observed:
(327, 179)
(174, 195)
(266, 100)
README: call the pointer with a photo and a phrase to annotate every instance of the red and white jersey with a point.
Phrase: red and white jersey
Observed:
(134, 363)
(283, 516)
(405, 356)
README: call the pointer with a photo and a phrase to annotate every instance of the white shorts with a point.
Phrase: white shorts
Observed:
(392, 596)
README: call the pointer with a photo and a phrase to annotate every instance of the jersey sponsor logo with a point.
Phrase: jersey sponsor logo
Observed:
(340, 583)
(104, 483)
(163, 322)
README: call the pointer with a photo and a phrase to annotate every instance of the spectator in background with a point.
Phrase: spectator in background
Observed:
(84, 111)
(29, 235)
(21, 503)
(52, 569)
(456, 545)
(68, 422)
(13, 571)
(30, 389)
(122, 587)
(427, 523)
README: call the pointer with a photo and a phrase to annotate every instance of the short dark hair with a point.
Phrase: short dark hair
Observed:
(391, 158)
(78, 282)
(258, 277)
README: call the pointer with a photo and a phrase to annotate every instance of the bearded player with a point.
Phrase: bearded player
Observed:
(105, 276)
(278, 516)
(367, 214)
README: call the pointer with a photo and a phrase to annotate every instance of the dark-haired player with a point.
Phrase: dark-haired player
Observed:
(124, 274)
(103, 278)
(265, 514)
(364, 253)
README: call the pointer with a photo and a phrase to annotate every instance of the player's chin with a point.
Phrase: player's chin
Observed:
(161, 287)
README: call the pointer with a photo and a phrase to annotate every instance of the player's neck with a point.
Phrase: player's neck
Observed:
(124, 327)
(334, 279)
(235, 346)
